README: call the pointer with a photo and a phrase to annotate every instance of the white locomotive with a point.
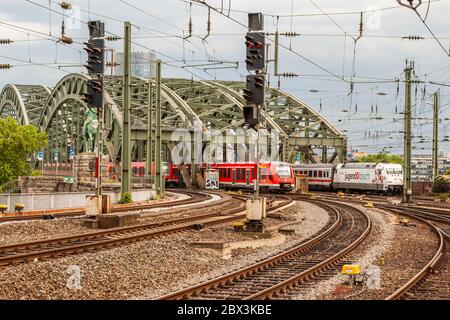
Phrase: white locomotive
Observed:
(379, 177)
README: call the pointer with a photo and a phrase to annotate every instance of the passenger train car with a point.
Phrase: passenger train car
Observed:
(273, 175)
(380, 177)
(320, 176)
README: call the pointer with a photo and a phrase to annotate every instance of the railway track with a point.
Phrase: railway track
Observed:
(433, 279)
(57, 247)
(437, 287)
(194, 197)
(417, 201)
(305, 262)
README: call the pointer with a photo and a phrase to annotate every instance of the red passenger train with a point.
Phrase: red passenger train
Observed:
(273, 175)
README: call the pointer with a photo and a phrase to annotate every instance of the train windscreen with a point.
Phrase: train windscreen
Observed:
(284, 172)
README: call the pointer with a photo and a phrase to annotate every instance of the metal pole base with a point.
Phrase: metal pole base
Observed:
(256, 226)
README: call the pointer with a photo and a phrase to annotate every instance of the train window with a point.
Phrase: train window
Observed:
(310, 174)
(263, 174)
(315, 174)
(320, 174)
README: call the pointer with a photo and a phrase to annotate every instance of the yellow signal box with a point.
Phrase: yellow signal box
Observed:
(351, 269)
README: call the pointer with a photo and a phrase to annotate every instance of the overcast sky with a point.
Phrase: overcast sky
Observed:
(160, 25)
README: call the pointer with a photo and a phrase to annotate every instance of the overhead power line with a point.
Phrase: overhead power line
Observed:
(281, 45)
(133, 42)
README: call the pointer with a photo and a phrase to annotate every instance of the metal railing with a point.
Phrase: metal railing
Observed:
(10, 187)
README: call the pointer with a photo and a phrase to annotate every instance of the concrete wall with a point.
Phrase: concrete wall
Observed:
(52, 201)
(422, 188)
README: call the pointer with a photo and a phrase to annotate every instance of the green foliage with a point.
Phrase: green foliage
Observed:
(447, 173)
(381, 157)
(36, 173)
(126, 198)
(444, 196)
(441, 184)
(16, 144)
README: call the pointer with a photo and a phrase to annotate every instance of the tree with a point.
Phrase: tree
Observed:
(441, 184)
(381, 157)
(16, 144)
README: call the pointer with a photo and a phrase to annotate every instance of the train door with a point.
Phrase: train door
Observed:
(247, 177)
(233, 177)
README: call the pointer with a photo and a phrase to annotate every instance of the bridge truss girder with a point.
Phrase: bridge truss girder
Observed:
(303, 128)
(23, 102)
(209, 105)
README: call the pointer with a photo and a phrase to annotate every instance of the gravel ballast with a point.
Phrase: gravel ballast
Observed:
(400, 252)
(146, 269)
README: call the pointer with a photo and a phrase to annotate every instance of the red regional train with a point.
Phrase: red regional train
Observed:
(273, 175)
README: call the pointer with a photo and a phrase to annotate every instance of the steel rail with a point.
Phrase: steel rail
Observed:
(429, 267)
(196, 290)
(55, 247)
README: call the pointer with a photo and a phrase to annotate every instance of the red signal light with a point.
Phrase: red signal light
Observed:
(249, 44)
(258, 45)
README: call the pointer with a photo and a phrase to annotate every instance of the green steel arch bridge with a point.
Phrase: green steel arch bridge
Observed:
(213, 105)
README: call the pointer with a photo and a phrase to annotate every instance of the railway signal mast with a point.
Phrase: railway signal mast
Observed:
(94, 98)
(254, 95)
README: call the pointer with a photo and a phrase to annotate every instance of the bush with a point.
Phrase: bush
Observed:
(36, 173)
(441, 185)
(126, 198)
(444, 196)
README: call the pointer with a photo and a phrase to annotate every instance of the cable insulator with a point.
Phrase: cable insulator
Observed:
(66, 5)
(414, 38)
(289, 75)
(291, 34)
(66, 40)
(113, 38)
(5, 41)
(112, 64)
(5, 66)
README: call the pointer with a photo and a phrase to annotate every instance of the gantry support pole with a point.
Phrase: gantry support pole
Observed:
(100, 149)
(158, 177)
(149, 156)
(435, 135)
(324, 154)
(407, 188)
(126, 135)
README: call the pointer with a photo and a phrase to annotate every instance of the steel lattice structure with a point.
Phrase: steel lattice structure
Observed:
(213, 105)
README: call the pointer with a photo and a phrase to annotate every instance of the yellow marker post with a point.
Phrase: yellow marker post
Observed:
(369, 204)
